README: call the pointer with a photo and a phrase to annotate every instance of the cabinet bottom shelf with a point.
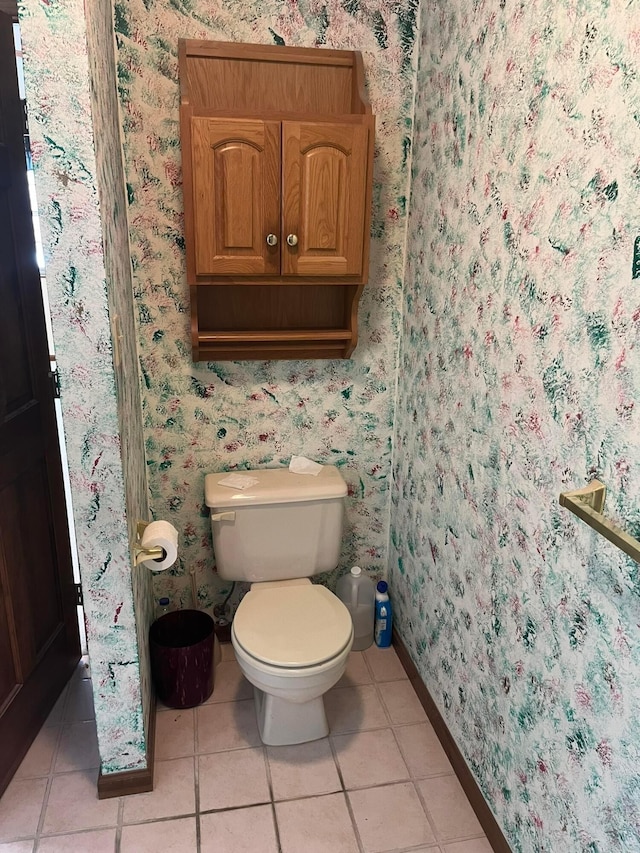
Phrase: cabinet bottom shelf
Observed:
(259, 345)
(258, 322)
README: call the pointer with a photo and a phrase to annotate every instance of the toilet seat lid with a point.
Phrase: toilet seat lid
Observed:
(292, 626)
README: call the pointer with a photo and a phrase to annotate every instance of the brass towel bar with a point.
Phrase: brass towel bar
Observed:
(587, 504)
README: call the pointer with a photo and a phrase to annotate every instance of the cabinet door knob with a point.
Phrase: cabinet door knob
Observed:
(272, 240)
(292, 239)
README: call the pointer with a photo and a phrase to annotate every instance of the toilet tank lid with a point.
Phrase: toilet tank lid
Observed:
(275, 485)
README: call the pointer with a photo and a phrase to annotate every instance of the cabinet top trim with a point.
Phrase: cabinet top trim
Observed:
(266, 78)
(267, 52)
(188, 112)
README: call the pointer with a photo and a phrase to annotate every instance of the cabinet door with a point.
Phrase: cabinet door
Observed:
(324, 197)
(236, 189)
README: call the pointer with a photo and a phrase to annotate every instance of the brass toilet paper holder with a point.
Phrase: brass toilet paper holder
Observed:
(140, 554)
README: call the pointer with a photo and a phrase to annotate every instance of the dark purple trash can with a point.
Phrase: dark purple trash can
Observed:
(181, 649)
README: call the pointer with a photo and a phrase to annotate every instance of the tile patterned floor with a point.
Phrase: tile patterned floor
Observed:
(380, 783)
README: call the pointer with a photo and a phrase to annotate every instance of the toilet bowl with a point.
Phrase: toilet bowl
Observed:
(292, 640)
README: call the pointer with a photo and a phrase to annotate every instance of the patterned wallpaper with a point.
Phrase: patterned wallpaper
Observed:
(518, 379)
(58, 95)
(213, 416)
(517, 372)
(113, 212)
(196, 417)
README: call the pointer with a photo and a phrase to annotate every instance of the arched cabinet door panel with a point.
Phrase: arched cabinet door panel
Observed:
(324, 192)
(236, 196)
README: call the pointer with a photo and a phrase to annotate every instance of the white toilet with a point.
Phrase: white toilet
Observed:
(292, 638)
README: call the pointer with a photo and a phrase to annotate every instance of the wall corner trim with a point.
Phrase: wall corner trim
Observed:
(478, 803)
(132, 781)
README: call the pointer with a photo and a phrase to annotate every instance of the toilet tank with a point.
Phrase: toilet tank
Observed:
(285, 526)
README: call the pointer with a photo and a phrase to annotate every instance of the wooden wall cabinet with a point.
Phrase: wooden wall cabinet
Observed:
(277, 149)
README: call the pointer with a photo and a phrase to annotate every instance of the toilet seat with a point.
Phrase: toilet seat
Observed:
(292, 625)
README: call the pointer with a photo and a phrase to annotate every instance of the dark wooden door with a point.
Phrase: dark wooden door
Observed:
(39, 643)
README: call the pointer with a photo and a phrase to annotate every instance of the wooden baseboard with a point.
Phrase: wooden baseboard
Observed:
(478, 803)
(132, 781)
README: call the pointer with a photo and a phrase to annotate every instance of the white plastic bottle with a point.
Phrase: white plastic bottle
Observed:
(358, 594)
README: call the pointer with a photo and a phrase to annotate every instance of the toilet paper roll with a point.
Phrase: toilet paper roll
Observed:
(164, 535)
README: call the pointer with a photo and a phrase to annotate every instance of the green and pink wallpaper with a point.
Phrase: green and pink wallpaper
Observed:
(520, 378)
(85, 236)
(497, 366)
(196, 418)
(206, 417)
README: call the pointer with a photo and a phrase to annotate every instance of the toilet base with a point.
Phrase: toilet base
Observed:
(283, 723)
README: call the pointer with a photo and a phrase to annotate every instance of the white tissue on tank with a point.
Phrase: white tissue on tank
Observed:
(302, 465)
(238, 481)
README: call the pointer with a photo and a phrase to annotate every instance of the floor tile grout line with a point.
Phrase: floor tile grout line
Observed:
(119, 824)
(380, 728)
(45, 803)
(237, 808)
(56, 750)
(430, 818)
(150, 820)
(196, 763)
(218, 751)
(383, 703)
(368, 665)
(354, 822)
(194, 742)
(346, 790)
(417, 848)
(62, 833)
(267, 764)
(67, 691)
(428, 776)
(461, 839)
(56, 773)
(196, 787)
(402, 755)
(276, 827)
(332, 746)
(336, 761)
(17, 839)
(196, 752)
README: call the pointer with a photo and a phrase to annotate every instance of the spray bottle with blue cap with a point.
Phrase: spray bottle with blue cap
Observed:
(383, 616)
